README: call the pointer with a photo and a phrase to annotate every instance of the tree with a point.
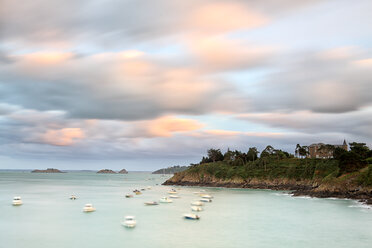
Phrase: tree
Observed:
(215, 155)
(351, 161)
(252, 154)
(297, 151)
(205, 160)
(303, 151)
(267, 152)
(337, 153)
(360, 148)
(229, 155)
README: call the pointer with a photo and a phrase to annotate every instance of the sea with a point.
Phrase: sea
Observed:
(235, 218)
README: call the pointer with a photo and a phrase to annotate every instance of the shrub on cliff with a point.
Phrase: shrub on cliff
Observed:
(350, 162)
(365, 178)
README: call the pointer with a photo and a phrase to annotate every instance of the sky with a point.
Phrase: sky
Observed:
(142, 85)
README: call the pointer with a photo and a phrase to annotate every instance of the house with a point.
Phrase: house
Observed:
(322, 150)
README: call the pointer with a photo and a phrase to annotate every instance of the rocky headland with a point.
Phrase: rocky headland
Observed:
(345, 186)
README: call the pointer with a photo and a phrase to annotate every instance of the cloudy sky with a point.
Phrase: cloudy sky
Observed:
(147, 84)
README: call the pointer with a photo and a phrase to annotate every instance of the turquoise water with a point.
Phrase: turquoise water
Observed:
(235, 218)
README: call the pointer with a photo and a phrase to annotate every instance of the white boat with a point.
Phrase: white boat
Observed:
(196, 208)
(149, 187)
(128, 195)
(191, 216)
(206, 196)
(130, 221)
(174, 196)
(205, 200)
(89, 208)
(17, 201)
(73, 197)
(151, 203)
(165, 200)
(172, 192)
(197, 203)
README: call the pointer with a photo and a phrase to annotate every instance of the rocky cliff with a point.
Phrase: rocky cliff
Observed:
(341, 188)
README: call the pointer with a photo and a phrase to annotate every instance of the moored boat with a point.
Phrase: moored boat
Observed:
(197, 203)
(151, 203)
(196, 208)
(17, 201)
(137, 192)
(206, 196)
(128, 195)
(129, 221)
(88, 208)
(165, 200)
(73, 197)
(191, 216)
(174, 196)
(205, 200)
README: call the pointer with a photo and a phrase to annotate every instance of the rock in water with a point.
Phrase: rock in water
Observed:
(106, 171)
(49, 170)
(123, 171)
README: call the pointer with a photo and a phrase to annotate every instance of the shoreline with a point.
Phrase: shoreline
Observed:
(301, 189)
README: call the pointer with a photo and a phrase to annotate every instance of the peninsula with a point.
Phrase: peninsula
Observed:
(171, 170)
(49, 170)
(345, 174)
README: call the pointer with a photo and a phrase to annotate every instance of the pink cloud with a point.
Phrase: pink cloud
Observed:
(218, 53)
(62, 137)
(224, 17)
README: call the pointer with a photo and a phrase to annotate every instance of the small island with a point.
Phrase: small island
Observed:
(171, 170)
(106, 171)
(48, 170)
(123, 171)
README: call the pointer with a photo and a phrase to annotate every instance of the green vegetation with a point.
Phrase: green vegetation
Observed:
(273, 163)
(171, 170)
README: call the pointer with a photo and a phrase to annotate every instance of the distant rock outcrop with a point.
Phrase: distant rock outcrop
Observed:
(49, 170)
(123, 171)
(106, 171)
(171, 170)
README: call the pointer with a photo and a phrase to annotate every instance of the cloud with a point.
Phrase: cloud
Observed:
(110, 23)
(357, 124)
(214, 53)
(327, 82)
(217, 17)
(111, 86)
(62, 137)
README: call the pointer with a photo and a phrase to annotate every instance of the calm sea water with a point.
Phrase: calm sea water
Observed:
(235, 218)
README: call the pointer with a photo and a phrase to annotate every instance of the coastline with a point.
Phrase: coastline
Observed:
(297, 188)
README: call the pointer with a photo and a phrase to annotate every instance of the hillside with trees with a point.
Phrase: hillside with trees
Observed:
(171, 170)
(347, 172)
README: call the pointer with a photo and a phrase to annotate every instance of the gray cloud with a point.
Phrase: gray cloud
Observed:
(109, 22)
(356, 125)
(326, 82)
(106, 86)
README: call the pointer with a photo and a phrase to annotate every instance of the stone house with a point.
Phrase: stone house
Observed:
(322, 150)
